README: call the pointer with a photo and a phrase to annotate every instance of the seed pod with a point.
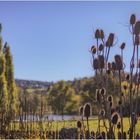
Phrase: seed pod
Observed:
(127, 77)
(110, 40)
(119, 102)
(137, 28)
(81, 110)
(102, 34)
(122, 46)
(113, 66)
(97, 34)
(79, 125)
(109, 98)
(96, 64)
(98, 96)
(115, 118)
(118, 61)
(137, 40)
(103, 135)
(87, 110)
(93, 49)
(102, 112)
(101, 47)
(101, 61)
(132, 19)
(119, 125)
(107, 44)
(139, 63)
(103, 91)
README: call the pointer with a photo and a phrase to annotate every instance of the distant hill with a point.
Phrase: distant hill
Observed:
(32, 84)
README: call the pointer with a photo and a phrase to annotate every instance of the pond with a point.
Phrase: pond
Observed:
(51, 117)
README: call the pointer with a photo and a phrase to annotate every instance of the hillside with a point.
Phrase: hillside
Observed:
(32, 84)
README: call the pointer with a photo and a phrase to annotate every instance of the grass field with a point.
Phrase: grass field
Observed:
(57, 125)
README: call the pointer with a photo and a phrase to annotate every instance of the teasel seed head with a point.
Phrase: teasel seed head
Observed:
(137, 28)
(110, 40)
(98, 96)
(81, 110)
(110, 98)
(93, 49)
(118, 61)
(96, 64)
(101, 47)
(102, 34)
(118, 125)
(102, 113)
(113, 66)
(79, 124)
(122, 46)
(132, 19)
(119, 102)
(127, 77)
(101, 61)
(87, 110)
(137, 40)
(103, 91)
(115, 118)
(97, 34)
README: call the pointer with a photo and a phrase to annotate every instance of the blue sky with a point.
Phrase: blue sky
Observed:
(50, 41)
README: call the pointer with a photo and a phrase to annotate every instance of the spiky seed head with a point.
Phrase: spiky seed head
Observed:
(119, 102)
(137, 28)
(93, 49)
(139, 63)
(122, 46)
(103, 91)
(118, 125)
(113, 66)
(96, 64)
(115, 118)
(118, 61)
(81, 110)
(110, 40)
(127, 77)
(101, 61)
(97, 34)
(137, 40)
(98, 96)
(87, 110)
(102, 34)
(79, 124)
(102, 113)
(110, 98)
(101, 47)
(132, 19)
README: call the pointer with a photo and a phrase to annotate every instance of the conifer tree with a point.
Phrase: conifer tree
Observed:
(3, 87)
(11, 86)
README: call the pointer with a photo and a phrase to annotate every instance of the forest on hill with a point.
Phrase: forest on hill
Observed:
(65, 97)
